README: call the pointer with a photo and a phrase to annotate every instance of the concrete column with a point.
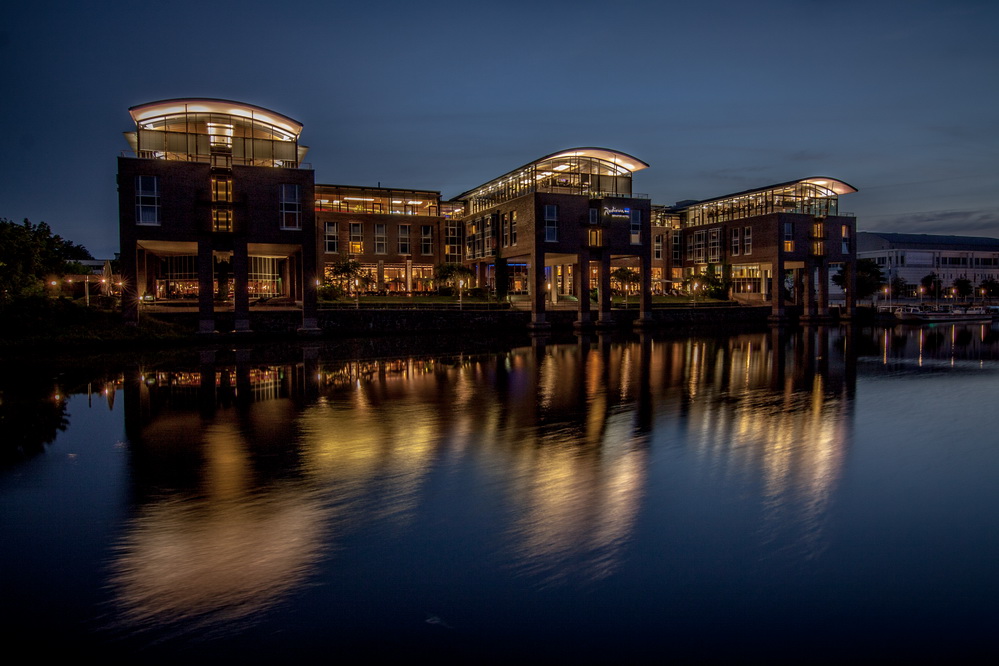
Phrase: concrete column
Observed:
(645, 287)
(823, 288)
(850, 273)
(807, 281)
(777, 289)
(241, 278)
(581, 281)
(539, 291)
(206, 296)
(606, 318)
(310, 298)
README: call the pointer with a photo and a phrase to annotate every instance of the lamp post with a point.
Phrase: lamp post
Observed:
(357, 294)
(461, 284)
(888, 297)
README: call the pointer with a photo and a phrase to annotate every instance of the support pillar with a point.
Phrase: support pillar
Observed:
(241, 279)
(539, 292)
(777, 290)
(645, 290)
(206, 288)
(606, 317)
(581, 282)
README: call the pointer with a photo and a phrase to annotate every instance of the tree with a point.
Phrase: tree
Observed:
(869, 278)
(963, 287)
(30, 253)
(708, 282)
(899, 286)
(450, 273)
(349, 274)
(990, 286)
(932, 284)
(626, 277)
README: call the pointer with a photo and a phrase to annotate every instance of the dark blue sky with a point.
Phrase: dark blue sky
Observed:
(898, 99)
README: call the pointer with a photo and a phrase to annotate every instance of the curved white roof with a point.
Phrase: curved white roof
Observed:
(167, 107)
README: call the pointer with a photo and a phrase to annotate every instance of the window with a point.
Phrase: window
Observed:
(513, 228)
(426, 239)
(221, 189)
(789, 237)
(551, 223)
(221, 219)
(505, 224)
(735, 241)
(657, 246)
(636, 226)
(404, 239)
(452, 243)
(677, 249)
(714, 246)
(332, 238)
(356, 238)
(846, 239)
(594, 216)
(381, 239)
(147, 200)
(291, 207)
(747, 240)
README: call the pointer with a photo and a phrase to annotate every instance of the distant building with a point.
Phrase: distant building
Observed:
(915, 256)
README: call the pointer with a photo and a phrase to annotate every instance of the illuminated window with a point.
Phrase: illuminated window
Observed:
(356, 238)
(221, 189)
(846, 239)
(222, 219)
(513, 228)
(290, 207)
(551, 223)
(147, 200)
(505, 223)
(404, 230)
(636, 226)
(788, 237)
(332, 237)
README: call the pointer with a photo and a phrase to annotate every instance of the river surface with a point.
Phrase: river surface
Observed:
(818, 493)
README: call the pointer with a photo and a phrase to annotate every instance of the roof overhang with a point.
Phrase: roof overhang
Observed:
(209, 105)
(616, 157)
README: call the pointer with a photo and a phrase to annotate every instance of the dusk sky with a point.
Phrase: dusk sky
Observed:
(899, 99)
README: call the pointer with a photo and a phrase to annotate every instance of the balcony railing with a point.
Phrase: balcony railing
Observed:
(216, 160)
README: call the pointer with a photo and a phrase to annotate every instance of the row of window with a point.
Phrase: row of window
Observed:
(331, 236)
(148, 208)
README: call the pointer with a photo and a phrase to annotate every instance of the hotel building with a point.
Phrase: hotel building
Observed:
(217, 207)
(774, 244)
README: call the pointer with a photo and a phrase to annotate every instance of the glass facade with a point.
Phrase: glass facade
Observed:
(593, 173)
(376, 200)
(816, 197)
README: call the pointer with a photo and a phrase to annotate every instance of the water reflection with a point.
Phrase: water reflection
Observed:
(247, 473)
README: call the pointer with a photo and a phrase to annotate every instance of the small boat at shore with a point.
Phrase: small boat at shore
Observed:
(918, 315)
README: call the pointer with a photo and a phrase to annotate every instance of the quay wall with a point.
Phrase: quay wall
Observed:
(338, 323)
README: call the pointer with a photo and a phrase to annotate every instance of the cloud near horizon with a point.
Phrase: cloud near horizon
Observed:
(983, 222)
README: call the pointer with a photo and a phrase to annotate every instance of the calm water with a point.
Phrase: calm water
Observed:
(817, 493)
